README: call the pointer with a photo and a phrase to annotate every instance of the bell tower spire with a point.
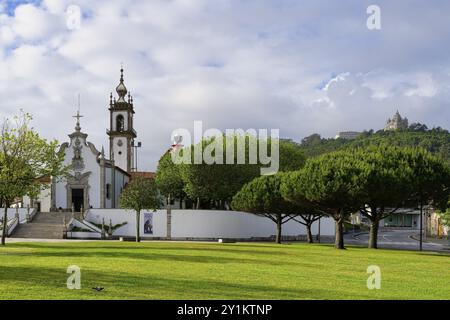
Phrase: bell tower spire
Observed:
(121, 133)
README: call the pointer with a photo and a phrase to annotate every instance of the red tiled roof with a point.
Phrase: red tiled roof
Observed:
(142, 174)
(44, 179)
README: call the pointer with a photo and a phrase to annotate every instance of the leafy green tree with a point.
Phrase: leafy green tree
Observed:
(313, 139)
(431, 183)
(386, 185)
(331, 183)
(140, 194)
(168, 179)
(292, 156)
(24, 157)
(262, 197)
(436, 141)
(418, 127)
(445, 216)
(217, 182)
(399, 177)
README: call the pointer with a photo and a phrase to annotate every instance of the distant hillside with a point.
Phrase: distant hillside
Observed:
(436, 140)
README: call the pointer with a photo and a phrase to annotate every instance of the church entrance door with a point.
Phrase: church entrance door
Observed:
(77, 199)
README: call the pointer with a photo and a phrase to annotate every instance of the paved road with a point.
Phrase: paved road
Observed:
(398, 239)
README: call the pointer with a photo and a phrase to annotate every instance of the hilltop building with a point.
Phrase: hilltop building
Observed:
(348, 135)
(396, 123)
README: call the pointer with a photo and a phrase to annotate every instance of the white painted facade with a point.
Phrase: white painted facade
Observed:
(93, 181)
(44, 201)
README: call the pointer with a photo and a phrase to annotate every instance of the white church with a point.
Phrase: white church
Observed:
(94, 181)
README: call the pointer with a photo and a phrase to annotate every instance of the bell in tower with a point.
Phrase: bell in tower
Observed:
(121, 133)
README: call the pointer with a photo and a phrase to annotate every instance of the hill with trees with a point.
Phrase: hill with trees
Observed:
(436, 141)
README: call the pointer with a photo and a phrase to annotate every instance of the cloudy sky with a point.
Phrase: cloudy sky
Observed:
(300, 66)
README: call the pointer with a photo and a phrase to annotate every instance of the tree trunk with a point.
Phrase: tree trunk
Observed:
(5, 225)
(339, 240)
(373, 237)
(198, 203)
(309, 234)
(138, 218)
(278, 238)
(169, 219)
(421, 225)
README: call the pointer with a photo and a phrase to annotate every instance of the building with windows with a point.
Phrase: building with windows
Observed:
(348, 135)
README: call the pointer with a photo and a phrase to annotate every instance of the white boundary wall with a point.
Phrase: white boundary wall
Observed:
(22, 213)
(201, 224)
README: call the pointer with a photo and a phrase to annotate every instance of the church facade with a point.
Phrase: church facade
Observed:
(396, 123)
(94, 180)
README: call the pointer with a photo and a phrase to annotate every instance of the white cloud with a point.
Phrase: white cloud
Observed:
(31, 22)
(56, 6)
(248, 64)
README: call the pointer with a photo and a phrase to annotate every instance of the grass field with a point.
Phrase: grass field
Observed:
(163, 270)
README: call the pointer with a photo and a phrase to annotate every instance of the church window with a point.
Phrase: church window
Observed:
(120, 123)
(108, 191)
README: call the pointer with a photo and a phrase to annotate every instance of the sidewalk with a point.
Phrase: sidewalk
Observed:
(436, 241)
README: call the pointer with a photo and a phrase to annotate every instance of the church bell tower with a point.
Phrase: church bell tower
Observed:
(121, 133)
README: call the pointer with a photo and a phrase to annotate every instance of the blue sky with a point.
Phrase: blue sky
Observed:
(12, 4)
(300, 66)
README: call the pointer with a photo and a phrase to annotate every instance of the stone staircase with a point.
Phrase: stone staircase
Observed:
(45, 225)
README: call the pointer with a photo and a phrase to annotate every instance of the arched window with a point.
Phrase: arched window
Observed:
(120, 123)
(108, 191)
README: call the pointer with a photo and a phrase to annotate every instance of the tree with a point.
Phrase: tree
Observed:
(168, 178)
(217, 182)
(431, 183)
(399, 177)
(308, 215)
(418, 127)
(262, 197)
(140, 194)
(214, 183)
(445, 216)
(331, 183)
(292, 156)
(24, 157)
(313, 139)
(386, 185)
(436, 141)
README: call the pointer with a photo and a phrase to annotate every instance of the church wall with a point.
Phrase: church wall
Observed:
(94, 179)
(61, 195)
(108, 181)
(44, 198)
(91, 164)
(120, 152)
(121, 181)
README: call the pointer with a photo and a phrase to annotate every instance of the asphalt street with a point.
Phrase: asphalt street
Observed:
(399, 239)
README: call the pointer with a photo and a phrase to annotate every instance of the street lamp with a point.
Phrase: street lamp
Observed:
(136, 146)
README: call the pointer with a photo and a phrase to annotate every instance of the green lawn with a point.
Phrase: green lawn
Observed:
(164, 270)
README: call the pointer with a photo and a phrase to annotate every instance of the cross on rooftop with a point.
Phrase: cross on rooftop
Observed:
(78, 116)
